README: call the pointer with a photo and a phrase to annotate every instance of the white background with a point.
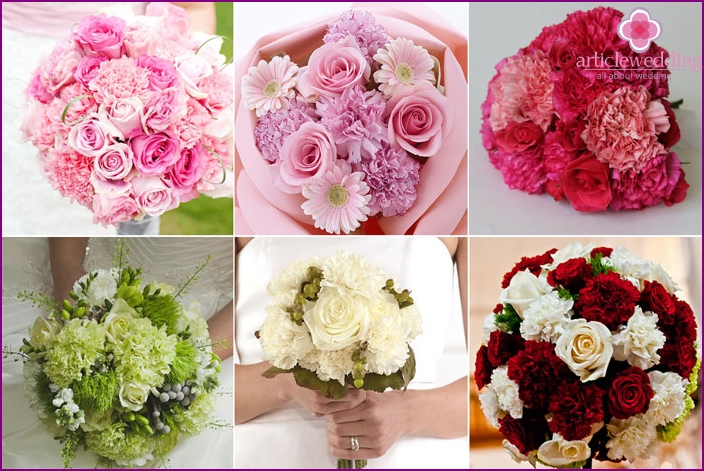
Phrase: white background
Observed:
(499, 30)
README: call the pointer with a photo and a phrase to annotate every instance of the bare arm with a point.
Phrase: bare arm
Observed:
(66, 257)
(461, 259)
(202, 15)
(220, 328)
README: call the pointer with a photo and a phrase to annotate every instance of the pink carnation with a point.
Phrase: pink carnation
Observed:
(219, 91)
(273, 128)
(355, 121)
(120, 78)
(523, 91)
(521, 170)
(653, 184)
(622, 128)
(189, 128)
(79, 108)
(69, 173)
(361, 25)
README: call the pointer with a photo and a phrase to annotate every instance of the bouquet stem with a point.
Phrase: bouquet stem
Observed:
(149, 225)
(351, 464)
(588, 464)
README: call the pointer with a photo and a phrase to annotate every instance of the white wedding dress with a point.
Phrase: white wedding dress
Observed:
(30, 206)
(27, 443)
(291, 437)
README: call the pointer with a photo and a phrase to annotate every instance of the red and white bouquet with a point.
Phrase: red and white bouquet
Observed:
(132, 115)
(589, 355)
(350, 125)
(581, 115)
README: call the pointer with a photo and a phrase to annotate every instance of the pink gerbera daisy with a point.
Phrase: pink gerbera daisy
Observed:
(338, 200)
(403, 64)
(269, 85)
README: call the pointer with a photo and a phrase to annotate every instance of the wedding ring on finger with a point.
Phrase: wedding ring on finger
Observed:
(354, 443)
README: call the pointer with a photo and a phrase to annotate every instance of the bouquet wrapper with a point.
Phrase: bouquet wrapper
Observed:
(441, 207)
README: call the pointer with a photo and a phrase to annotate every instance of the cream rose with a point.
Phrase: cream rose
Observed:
(336, 321)
(42, 330)
(586, 349)
(133, 396)
(117, 322)
(524, 288)
(560, 452)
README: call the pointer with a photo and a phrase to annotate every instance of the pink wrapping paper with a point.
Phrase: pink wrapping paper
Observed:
(441, 207)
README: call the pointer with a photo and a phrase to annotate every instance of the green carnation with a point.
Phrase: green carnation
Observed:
(73, 351)
(193, 419)
(144, 356)
(119, 443)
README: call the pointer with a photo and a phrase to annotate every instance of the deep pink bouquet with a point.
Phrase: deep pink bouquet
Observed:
(132, 115)
(349, 122)
(582, 115)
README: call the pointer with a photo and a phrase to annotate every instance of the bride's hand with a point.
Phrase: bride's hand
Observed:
(377, 423)
(320, 405)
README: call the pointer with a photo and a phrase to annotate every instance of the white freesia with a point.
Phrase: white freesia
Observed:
(488, 327)
(546, 318)
(283, 341)
(631, 438)
(523, 289)
(506, 392)
(560, 452)
(668, 402)
(637, 270)
(337, 321)
(133, 396)
(568, 252)
(639, 340)
(586, 349)
(351, 273)
(490, 406)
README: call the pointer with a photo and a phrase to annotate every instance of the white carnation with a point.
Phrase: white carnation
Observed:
(637, 270)
(546, 318)
(668, 402)
(284, 342)
(490, 406)
(284, 287)
(632, 438)
(101, 288)
(488, 327)
(387, 349)
(506, 392)
(639, 340)
(515, 454)
(351, 273)
(412, 317)
(568, 252)
(335, 364)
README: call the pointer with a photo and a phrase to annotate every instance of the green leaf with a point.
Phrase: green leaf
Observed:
(308, 379)
(273, 371)
(398, 380)
(508, 321)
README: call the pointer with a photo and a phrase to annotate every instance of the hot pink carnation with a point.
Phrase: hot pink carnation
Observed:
(653, 184)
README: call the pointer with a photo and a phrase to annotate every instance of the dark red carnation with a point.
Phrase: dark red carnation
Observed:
(538, 372)
(502, 347)
(685, 322)
(655, 297)
(630, 393)
(575, 408)
(607, 299)
(498, 309)
(604, 251)
(529, 263)
(526, 433)
(482, 368)
(678, 358)
(572, 274)
(672, 136)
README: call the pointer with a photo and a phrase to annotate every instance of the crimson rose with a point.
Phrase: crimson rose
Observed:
(630, 393)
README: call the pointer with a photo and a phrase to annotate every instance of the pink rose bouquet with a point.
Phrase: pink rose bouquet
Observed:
(132, 115)
(583, 116)
(359, 124)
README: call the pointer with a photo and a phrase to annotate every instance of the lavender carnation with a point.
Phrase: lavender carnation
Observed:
(273, 128)
(361, 25)
(355, 121)
(392, 177)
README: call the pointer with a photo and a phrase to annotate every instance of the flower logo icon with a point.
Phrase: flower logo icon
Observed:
(639, 30)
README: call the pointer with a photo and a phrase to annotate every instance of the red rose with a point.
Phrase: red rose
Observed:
(529, 263)
(526, 433)
(562, 54)
(672, 136)
(498, 309)
(538, 372)
(678, 358)
(630, 393)
(679, 192)
(502, 347)
(572, 274)
(656, 298)
(586, 184)
(554, 189)
(604, 251)
(569, 134)
(607, 299)
(575, 408)
(517, 137)
(482, 368)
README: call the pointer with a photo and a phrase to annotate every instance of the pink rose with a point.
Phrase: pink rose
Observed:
(175, 18)
(164, 108)
(585, 182)
(111, 209)
(155, 153)
(92, 136)
(58, 70)
(332, 68)
(306, 154)
(191, 70)
(101, 35)
(115, 163)
(517, 137)
(126, 115)
(153, 196)
(218, 88)
(87, 68)
(189, 168)
(419, 119)
(37, 90)
(163, 73)
(140, 41)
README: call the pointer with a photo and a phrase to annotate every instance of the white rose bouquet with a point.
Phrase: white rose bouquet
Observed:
(123, 369)
(588, 355)
(338, 322)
